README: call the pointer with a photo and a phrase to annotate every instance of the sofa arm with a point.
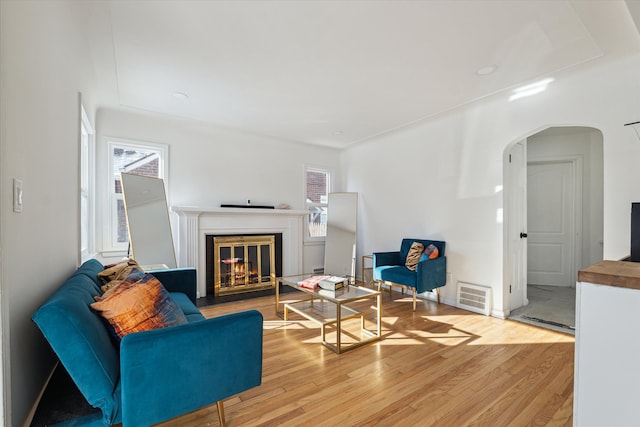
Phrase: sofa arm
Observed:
(179, 280)
(169, 372)
(432, 273)
(387, 258)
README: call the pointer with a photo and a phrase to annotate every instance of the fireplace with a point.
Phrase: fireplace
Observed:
(196, 223)
(238, 264)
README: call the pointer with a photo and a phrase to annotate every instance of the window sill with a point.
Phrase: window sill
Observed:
(108, 257)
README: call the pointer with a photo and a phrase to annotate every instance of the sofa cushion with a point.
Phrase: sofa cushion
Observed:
(140, 305)
(190, 311)
(413, 257)
(90, 269)
(397, 274)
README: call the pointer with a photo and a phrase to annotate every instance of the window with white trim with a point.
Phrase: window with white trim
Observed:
(141, 158)
(317, 188)
(87, 187)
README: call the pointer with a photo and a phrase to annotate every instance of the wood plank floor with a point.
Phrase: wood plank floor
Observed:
(439, 366)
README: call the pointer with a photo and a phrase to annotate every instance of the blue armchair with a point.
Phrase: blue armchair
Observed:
(155, 375)
(389, 269)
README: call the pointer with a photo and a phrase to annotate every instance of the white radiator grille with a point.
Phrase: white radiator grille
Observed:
(474, 298)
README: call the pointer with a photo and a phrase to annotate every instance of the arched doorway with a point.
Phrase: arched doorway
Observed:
(553, 221)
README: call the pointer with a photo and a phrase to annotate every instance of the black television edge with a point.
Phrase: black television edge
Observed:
(635, 232)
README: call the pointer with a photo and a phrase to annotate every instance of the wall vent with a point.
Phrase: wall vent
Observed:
(318, 270)
(474, 298)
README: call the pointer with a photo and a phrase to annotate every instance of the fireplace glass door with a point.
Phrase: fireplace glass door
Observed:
(243, 264)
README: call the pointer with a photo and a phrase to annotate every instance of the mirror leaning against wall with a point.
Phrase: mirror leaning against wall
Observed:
(145, 203)
(340, 243)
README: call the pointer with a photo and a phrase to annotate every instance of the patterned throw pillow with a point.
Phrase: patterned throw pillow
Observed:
(114, 274)
(415, 252)
(140, 305)
(431, 251)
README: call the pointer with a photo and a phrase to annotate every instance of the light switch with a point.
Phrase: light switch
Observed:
(17, 195)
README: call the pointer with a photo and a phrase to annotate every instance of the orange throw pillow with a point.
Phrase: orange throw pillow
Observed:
(140, 305)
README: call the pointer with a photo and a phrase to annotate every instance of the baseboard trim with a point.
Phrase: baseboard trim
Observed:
(34, 407)
(500, 314)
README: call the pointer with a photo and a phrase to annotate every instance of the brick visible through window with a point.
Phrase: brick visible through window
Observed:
(316, 186)
(317, 183)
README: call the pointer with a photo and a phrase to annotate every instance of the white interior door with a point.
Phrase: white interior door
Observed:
(550, 220)
(516, 180)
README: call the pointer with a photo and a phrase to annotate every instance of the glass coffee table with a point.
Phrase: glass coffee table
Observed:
(323, 306)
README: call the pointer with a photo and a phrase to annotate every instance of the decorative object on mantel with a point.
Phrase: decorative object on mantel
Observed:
(247, 206)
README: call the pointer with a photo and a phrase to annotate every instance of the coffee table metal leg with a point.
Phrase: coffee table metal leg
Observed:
(379, 319)
(338, 326)
(278, 298)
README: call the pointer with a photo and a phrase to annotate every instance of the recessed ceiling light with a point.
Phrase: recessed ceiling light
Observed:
(485, 71)
(180, 95)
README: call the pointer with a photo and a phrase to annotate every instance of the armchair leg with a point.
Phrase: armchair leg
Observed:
(438, 294)
(414, 299)
(220, 406)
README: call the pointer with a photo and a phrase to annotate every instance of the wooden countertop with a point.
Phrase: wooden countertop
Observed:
(622, 274)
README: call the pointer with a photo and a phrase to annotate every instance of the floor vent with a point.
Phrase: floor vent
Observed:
(474, 298)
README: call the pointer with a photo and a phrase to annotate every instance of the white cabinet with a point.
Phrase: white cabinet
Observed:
(607, 352)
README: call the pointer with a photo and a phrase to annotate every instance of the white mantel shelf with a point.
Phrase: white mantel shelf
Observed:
(196, 222)
(235, 211)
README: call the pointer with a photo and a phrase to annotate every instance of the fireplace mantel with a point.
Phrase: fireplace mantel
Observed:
(194, 223)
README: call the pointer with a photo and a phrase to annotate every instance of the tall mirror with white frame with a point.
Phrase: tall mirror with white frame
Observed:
(340, 243)
(150, 235)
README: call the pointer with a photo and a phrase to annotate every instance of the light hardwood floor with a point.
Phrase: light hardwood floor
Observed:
(439, 366)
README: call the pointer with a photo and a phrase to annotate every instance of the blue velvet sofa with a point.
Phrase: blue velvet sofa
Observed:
(156, 375)
(389, 269)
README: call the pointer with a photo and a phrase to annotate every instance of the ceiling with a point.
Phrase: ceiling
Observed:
(335, 73)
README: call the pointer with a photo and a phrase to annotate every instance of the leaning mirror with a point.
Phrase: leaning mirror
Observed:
(145, 203)
(340, 243)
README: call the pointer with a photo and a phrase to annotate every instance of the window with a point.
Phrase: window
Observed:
(132, 157)
(87, 199)
(317, 188)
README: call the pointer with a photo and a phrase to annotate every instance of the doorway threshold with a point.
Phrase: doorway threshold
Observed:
(550, 307)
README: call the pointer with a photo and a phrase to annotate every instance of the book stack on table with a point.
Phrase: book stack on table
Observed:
(333, 283)
(311, 282)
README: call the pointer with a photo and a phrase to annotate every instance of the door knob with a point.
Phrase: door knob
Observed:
(523, 235)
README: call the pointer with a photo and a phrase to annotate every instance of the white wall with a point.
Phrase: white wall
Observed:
(45, 64)
(586, 143)
(209, 165)
(438, 179)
